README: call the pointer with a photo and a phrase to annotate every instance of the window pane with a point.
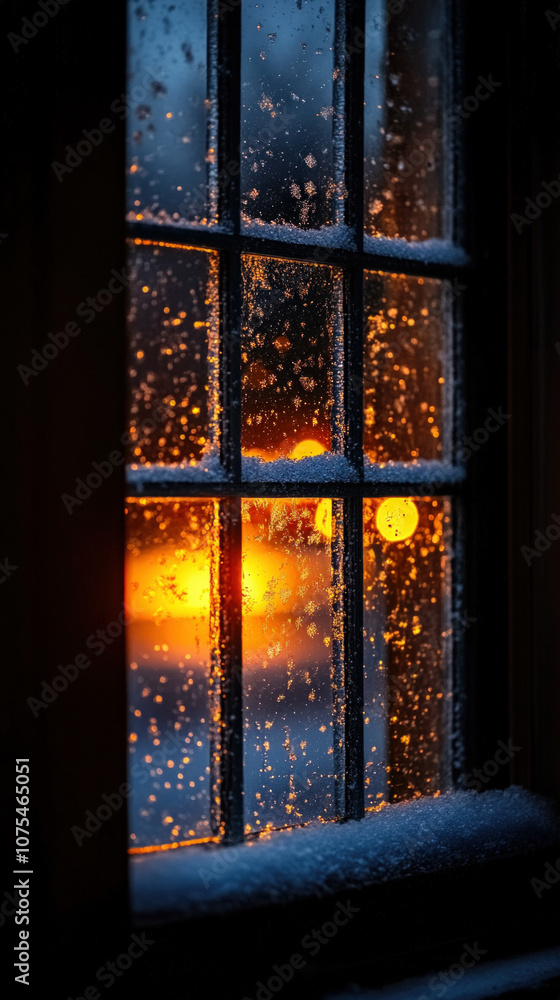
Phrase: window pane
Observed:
(406, 630)
(167, 112)
(173, 344)
(169, 550)
(287, 663)
(289, 314)
(404, 93)
(290, 118)
(406, 378)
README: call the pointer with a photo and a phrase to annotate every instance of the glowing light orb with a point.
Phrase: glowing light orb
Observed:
(306, 449)
(323, 518)
(397, 518)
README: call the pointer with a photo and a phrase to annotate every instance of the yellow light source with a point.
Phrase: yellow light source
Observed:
(323, 518)
(306, 449)
(396, 518)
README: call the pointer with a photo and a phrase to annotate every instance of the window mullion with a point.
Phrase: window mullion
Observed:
(228, 71)
(352, 519)
(227, 723)
(353, 643)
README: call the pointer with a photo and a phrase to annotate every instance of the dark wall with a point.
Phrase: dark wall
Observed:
(64, 235)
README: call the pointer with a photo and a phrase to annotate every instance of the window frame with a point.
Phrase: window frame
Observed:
(53, 260)
(232, 241)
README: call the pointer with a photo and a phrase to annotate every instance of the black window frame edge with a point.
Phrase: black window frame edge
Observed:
(50, 261)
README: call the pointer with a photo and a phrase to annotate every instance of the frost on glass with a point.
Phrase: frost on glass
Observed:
(404, 95)
(291, 115)
(287, 663)
(405, 378)
(168, 573)
(173, 354)
(406, 635)
(168, 112)
(289, 314)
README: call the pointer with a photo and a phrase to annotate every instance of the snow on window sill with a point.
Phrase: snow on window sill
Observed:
(425, 835)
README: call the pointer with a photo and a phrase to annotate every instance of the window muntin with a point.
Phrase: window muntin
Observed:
(376, 727)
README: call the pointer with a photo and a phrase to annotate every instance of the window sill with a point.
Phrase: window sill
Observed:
(412, 838)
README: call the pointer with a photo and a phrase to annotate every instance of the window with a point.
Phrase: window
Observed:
(294, 383)
(423, 887)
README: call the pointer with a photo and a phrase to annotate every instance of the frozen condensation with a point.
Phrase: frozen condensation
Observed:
(292, 114)
(169, 552)
(173, 349)
(287, 663)
(407, 690)
(209, 470)
(429, 252)
(325, 468)
(435, 473)
(407, 376)
(291, 321)
(170, 140)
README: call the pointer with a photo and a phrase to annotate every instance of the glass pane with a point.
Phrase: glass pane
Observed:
(173, 345)
(287, 663)
(289, 312)
(404, 142)
(406, 380)
(291, 124)
(168, 560)
(167, 112)
(406, 630)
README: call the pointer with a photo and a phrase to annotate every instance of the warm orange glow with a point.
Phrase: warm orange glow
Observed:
(397, 518)
(306, 449)
(177, 586)
(323, 518)
(171, 847)
(168, 583)
(261, 565)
